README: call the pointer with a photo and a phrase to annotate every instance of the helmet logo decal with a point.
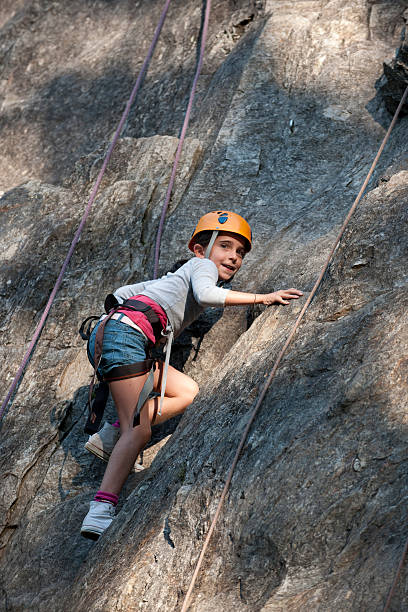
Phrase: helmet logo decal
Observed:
(223, 218)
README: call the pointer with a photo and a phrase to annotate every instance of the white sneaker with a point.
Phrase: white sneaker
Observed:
(101, 444)
(99, 517)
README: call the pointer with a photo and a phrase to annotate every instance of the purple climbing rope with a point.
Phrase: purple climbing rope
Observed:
(87, 209)
(182, 136)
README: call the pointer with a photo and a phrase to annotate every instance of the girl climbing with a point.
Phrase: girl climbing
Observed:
(163, 307)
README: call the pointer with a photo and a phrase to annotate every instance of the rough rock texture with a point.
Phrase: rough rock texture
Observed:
(286, 125)
(395, 79)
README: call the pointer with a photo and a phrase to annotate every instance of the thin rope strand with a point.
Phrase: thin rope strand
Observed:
(281, 354)
(87, 211)
(181, 140)
(397, 575)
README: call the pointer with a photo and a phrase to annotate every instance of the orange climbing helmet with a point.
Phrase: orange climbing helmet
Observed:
(223, 221)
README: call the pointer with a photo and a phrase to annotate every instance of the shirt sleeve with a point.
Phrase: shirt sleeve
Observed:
(204, 279)
(127, 291)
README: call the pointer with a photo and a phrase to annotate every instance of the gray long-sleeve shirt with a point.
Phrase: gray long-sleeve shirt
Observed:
(183, 294)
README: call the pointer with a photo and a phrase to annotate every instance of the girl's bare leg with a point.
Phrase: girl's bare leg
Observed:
(180, 392)
(125, 394)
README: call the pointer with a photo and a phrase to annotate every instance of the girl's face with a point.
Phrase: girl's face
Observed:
(227, 254)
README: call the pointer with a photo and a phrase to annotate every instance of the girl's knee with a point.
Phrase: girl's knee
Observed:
(196, 389)
(191, 390)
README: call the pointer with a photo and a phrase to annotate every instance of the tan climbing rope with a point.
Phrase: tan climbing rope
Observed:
(279, 359)
(397, 575)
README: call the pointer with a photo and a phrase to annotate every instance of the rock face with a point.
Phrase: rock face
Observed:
(395, 79)
(286, 124)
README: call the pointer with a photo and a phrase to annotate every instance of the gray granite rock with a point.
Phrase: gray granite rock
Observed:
(395, 79)
(285, 126)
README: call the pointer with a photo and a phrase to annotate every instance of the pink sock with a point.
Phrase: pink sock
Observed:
(108, 498)
(116, 424)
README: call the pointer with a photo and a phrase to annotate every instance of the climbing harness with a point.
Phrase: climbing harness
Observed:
(91, 200)
(97, 400)
(276, 365)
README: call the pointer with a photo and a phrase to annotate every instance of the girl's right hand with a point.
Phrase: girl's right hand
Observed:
(283, 296)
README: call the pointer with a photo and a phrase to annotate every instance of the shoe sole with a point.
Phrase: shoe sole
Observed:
(101, 454)
(90, 535)
(98, 452)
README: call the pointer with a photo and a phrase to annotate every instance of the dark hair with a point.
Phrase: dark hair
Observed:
(177, 264)
(203, 238)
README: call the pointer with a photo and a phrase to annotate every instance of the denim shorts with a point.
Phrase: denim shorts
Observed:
(122, 345)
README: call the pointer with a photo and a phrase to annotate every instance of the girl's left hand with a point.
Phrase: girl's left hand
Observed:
(283, 296)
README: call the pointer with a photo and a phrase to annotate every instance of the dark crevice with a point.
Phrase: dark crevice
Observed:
(167, 532)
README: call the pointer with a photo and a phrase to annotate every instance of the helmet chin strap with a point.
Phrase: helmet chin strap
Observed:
(211, 244)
